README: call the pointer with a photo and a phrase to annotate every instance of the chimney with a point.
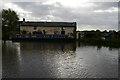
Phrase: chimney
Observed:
(23, 19)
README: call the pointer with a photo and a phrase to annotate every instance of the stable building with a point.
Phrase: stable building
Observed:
(47, 29)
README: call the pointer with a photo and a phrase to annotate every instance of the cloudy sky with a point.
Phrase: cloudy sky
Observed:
(88, 15)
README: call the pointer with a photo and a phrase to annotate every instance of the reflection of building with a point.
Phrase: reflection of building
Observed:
(47, 29)
(51, 46)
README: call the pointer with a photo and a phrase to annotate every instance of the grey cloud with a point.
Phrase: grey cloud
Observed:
(37, 9)
(83, 16)
(105, 5)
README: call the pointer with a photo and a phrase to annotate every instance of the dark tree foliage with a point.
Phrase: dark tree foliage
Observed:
(9, 23)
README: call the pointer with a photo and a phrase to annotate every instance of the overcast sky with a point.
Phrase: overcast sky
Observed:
(88, 15)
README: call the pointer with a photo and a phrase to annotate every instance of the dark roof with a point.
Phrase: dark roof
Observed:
(49, 24)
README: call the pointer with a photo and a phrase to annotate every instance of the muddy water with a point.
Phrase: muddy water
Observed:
(58, 60)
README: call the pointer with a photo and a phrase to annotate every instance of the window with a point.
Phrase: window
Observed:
(35, 27)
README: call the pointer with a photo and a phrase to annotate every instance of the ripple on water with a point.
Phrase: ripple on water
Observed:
(47, 60)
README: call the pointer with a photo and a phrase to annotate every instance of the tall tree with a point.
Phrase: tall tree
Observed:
(9, 23)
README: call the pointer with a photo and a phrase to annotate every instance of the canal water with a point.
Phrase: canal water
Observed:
(58, 60)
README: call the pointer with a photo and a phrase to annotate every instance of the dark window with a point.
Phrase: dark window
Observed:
(62, 32)
(35, 27)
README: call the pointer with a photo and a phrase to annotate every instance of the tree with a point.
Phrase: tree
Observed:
(9, 23)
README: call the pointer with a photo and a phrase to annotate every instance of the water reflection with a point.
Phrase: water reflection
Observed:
(58, 60)
(10, 60)
(52, 46)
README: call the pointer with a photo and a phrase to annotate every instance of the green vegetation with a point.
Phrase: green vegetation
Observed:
(9, 23)
(100, 38)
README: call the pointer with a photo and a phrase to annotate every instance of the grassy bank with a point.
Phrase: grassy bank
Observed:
(100, 42)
